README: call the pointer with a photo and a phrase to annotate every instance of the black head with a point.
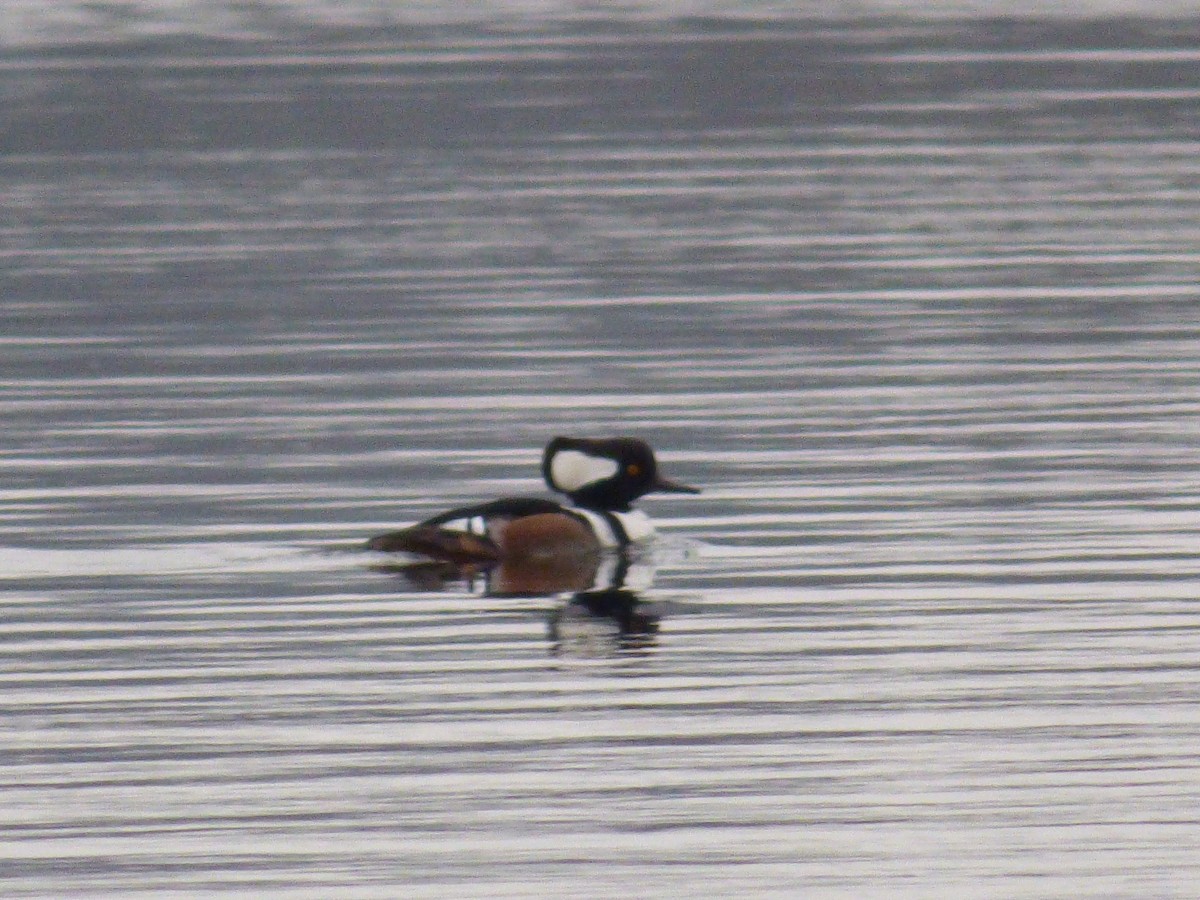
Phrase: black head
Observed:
(607, 473)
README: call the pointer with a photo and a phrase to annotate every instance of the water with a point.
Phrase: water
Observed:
(915, 304)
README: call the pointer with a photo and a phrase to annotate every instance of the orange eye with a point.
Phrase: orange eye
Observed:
(633, 469)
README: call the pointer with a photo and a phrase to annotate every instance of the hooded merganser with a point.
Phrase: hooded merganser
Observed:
(602, 478)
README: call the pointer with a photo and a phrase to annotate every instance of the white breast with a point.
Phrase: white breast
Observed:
(636, 524)
(600, 527)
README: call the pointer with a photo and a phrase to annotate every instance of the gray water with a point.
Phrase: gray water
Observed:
(917, 305)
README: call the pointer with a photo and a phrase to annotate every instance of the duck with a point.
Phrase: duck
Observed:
(600, 477)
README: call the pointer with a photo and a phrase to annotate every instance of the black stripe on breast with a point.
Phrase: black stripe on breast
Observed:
(618, 529)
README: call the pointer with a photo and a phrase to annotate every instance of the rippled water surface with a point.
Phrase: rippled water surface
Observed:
(916, 305)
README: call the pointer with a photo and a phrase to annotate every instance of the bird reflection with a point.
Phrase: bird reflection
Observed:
(602, 623)
(601, 614)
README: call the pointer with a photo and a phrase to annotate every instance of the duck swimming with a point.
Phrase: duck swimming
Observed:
(601, 477)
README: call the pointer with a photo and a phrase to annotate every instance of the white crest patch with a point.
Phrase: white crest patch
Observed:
(571, 470)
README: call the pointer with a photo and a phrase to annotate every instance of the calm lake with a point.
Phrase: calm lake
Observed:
(917, 305)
